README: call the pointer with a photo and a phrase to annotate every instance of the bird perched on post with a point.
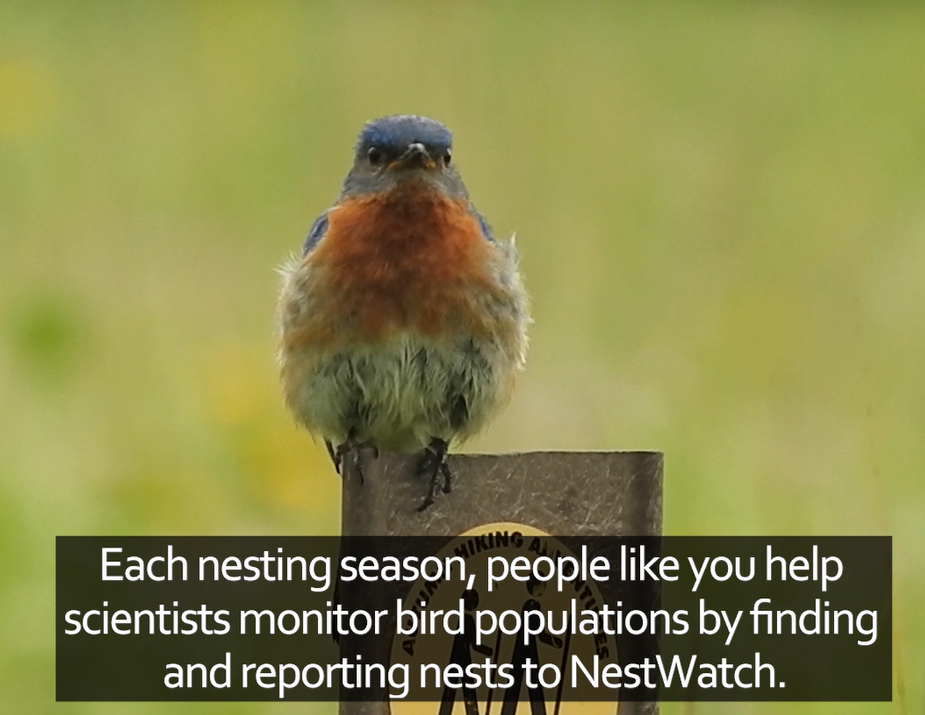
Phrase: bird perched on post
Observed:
(403, 324)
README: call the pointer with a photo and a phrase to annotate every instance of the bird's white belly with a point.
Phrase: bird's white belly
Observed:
(403, 392)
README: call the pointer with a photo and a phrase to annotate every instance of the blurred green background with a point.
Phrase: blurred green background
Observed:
(720, 208)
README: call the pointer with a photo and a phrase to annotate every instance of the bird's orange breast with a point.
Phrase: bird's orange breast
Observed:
(410, 259)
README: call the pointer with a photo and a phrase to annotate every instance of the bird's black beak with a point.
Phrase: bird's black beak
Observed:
(415, 156)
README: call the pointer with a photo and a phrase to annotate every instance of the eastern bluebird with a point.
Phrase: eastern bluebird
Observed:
(403, 324)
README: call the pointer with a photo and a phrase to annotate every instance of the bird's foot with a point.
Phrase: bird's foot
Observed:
(351, 450)
(434, 465)
(332, 453)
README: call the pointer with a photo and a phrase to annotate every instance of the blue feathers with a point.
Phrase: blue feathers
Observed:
(391, 137)
(483, 225)
(393, 134)
(315, 233)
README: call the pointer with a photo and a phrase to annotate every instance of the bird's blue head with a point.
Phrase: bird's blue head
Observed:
(400, 148)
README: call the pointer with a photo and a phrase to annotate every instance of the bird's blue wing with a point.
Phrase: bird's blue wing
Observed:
(483, 225)
(315, 233)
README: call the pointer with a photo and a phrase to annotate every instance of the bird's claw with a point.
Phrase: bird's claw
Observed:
(434, 464)
(351, 449)
(333, 454)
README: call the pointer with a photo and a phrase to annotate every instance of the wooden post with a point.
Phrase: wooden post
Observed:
(560, 493)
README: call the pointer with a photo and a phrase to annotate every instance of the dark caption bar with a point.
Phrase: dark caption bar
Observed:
(502, 616)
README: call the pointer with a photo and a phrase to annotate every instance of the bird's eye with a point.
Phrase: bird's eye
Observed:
(447, 157)
(374, 155)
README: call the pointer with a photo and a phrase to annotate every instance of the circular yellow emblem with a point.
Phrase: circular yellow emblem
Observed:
(445, 627)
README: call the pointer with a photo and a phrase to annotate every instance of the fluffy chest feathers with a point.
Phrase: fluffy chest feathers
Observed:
(403, 323)
(410, 260)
